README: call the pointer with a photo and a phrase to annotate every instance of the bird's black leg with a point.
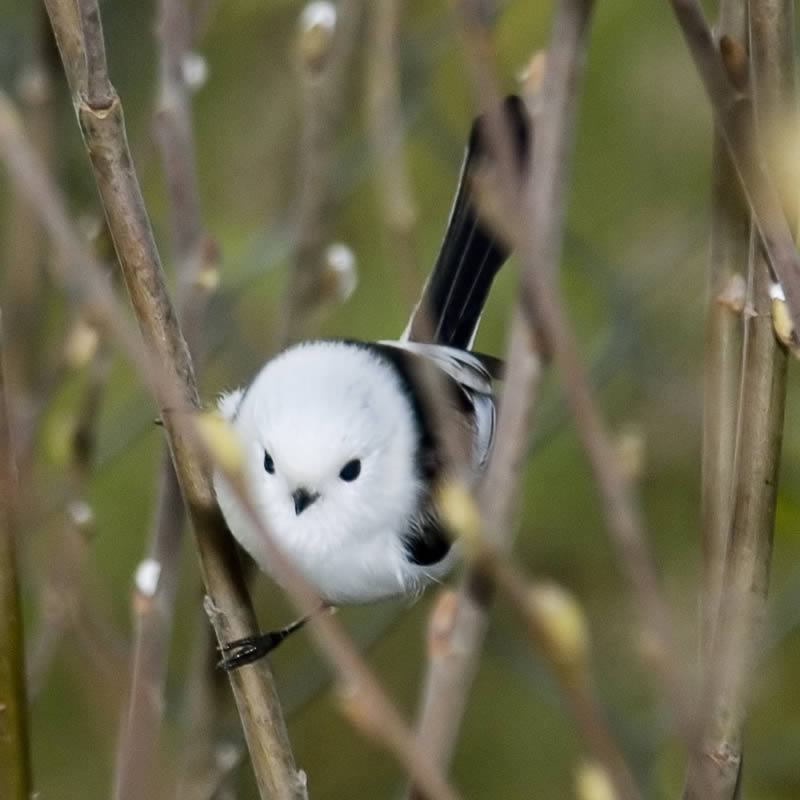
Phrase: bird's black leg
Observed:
(245, 651)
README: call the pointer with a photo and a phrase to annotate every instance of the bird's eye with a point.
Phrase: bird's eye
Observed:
(351, 470)
(269, 464)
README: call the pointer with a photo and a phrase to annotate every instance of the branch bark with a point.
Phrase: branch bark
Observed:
(153, 606)
(15, 765)
(734, 114)
(730, 249)
(326, 49)
(102, 126)
(454, 653)
(743, 606)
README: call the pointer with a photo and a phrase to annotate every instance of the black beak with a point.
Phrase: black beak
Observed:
(303, 499)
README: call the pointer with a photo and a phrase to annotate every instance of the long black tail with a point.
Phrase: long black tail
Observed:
(472, 250)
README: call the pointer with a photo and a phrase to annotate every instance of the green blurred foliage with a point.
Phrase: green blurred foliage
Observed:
(633, 275)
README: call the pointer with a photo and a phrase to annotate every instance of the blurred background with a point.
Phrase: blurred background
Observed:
(634, 278)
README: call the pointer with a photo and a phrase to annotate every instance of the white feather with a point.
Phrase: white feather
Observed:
(314, 408)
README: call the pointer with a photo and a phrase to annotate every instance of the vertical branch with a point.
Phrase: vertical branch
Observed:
(454, 655)
(103, 129)
(743, 609)
(327, 40)
(15, 768)
(730, 247)
(154, 602)
(23, 280)
(386, 132)
(204, 765)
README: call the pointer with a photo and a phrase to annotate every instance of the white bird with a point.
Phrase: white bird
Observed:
(342, 451)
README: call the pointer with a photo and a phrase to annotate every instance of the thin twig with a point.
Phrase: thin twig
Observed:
(99, 92)
(743, 605)
(734, 115)
(104, 133)
(205, 762)
(456, 632)
(540, 251)
(154, 605)
(15, 764)
(23, 289)
(385, 121)
(730, 246)
(556, 628)
(325, 50)
(454, 656)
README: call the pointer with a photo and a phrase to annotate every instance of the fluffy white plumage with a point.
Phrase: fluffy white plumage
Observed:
(315, 408)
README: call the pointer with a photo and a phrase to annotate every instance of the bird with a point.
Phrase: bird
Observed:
(343, 448)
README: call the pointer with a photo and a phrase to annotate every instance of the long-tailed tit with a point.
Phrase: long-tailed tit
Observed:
(342, 450)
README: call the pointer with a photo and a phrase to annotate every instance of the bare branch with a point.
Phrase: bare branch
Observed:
(387, 135)
(454, 655)
(104, 133)
(99, 92)
(557, 629)
(734, 115)
(15, 764)
(325, 51)
(540, 250)
(743, 605)
(154, 605)
(730, 248)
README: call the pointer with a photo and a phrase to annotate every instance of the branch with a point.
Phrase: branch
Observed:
(103, 129)
(15, 765)
(730, 248)
(540, 252)
(557, 629)
(327, 39)
(734, 115)
(154, 601)
(738, 641)
(454, 655)
(385, 121)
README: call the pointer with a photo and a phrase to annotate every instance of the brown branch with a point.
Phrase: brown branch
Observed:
(454, 656)
(456, 633)
(99, 92)
(730, 247)
(557, 629)
(103, 130)
(15, 764)
(205, 763)
(743, 606)
(154, 604)
(540, 252)
(385, 123)
(734, 115)
(325, 50)
(23, 288)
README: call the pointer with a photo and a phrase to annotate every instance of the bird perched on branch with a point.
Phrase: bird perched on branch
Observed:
(344, 442)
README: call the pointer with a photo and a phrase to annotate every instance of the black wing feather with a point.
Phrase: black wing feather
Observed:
(471, 252)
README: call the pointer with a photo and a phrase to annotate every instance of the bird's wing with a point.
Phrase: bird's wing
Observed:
(474, 382)
(468, 369)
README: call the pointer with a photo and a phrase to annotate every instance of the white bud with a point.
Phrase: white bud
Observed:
(195, 70)
(340, 265)
(147, 576)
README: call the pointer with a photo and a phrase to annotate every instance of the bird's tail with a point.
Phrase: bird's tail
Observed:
(473, 248)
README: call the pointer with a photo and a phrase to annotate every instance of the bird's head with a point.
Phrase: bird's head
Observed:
(330, 445)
